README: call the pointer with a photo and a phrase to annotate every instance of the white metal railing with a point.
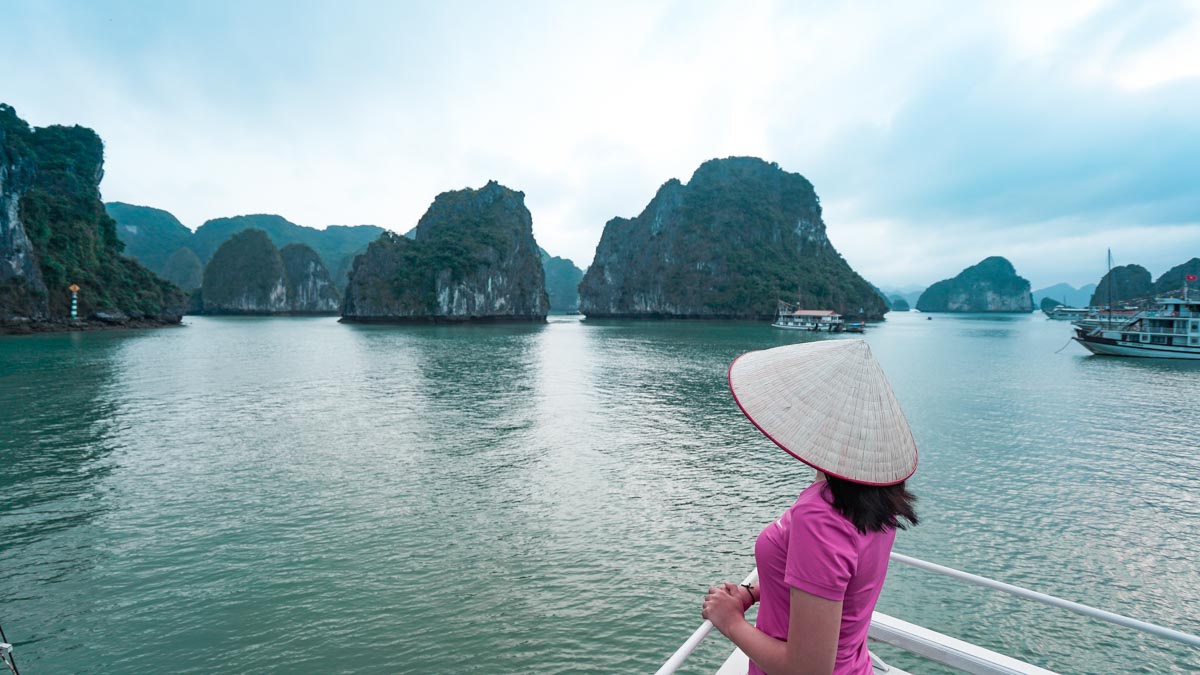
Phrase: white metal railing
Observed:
(1078, 608)
(685, 650)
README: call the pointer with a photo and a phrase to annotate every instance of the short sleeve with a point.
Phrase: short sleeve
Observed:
(822, 553)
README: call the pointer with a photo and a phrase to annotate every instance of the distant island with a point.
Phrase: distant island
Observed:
(1065, 294)
(1132, 284)
(158, 240)
(992, 285)
(741, 235)
(54, 233)
(562, 282)
(472, 257)
(248, 275)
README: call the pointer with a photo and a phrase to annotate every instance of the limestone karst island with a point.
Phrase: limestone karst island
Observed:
(741, 239)
(472, 257)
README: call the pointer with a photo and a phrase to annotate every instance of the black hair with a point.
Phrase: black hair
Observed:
(873, 508)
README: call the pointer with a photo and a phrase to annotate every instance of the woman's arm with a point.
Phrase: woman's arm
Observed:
(813, 627)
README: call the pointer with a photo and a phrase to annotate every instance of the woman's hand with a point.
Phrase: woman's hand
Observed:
(724, 605)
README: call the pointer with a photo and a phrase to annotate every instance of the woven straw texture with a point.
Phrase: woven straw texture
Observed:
(829, 405)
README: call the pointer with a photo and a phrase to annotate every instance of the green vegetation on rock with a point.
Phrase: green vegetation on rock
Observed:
(899, 304)
(73, 239)
(151, 236)
(1173, 279)
(245, 275)
(472, 256)
(333, 243)
(183, 269)
(1128, 283)
(562, 282)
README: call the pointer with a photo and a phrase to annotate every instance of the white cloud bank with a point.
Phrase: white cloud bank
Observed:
(936, 133)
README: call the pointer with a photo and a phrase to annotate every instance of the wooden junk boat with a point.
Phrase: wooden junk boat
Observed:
(791, 317)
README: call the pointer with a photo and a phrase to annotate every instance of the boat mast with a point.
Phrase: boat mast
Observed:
(1110, 285)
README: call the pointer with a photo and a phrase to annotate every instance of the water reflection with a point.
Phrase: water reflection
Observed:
(55, 449)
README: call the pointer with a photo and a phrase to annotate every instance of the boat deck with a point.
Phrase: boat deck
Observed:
(738, 664)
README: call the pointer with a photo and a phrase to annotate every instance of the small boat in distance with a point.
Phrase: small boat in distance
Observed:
(1064, 313)
(790, 317)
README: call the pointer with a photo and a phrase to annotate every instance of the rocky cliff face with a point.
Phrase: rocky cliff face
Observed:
(22, 290)
(741, 235)
(54, 233)
(309, 287)
(991, 286)
(1128, 282)
(472, 257)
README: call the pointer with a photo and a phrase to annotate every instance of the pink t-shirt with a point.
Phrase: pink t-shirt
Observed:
(814, 548)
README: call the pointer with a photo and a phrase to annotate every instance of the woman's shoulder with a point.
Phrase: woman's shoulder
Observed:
(814, 506)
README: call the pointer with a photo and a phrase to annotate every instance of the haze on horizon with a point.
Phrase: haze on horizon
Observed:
(936, 133)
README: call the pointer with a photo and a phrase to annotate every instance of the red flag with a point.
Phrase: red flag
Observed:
(1191, 277)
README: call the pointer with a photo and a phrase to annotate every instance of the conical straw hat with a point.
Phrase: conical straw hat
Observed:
(828, 404)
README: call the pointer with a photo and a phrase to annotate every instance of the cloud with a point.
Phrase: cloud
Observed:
(935, 134)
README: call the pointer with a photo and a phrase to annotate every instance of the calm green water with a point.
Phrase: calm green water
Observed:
(287, 495)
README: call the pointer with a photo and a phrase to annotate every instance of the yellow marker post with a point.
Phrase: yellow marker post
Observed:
(74, 288)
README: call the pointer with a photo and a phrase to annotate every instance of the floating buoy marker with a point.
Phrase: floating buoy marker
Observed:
(74, 288)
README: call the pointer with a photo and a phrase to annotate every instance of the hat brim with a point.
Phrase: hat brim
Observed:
(899, 469)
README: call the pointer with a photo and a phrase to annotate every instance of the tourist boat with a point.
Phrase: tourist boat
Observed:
(1064, 313)
(939, 647)
(1169, 331)
(1104, 317)
(790, 317)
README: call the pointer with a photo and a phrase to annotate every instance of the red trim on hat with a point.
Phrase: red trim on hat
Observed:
(729, 380)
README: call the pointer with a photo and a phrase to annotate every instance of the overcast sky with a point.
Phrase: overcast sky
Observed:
(936, 134)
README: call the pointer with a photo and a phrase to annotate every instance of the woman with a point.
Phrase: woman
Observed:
(822, 564)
